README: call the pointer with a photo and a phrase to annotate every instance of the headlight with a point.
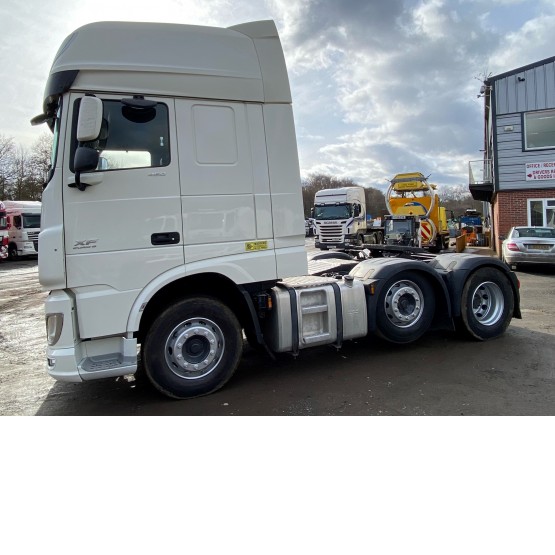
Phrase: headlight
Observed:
(54, 324)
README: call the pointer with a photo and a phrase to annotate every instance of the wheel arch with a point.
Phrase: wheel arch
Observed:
(488, 303)
(458, 278)
(389, 267)
(214, 285)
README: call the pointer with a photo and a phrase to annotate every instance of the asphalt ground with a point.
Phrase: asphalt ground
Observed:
(441, 374)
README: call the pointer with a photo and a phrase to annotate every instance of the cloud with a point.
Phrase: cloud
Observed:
(378, 87)
(537, 36)
(402, 78)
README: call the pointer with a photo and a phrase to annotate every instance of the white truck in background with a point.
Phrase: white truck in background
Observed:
(341, 220)
(195, 234)
(23, 227)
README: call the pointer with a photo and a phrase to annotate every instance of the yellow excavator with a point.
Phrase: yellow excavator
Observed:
(415, 217)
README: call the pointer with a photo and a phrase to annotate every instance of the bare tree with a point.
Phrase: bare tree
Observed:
(22, 183)
(7, 151)
(458, 199)
(375, 202)
(40, 158)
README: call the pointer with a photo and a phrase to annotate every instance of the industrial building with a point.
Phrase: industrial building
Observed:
(516, 177)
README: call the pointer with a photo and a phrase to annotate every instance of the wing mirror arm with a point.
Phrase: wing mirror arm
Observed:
(78, 184)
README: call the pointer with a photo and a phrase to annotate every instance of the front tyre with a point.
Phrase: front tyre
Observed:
(192, 348)
(487, 304)
(12, 252)
(405, 307)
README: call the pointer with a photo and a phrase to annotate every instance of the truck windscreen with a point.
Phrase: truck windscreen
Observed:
(31, 221)
(333, 211)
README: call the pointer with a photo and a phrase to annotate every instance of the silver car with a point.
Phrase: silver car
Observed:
(529, 245)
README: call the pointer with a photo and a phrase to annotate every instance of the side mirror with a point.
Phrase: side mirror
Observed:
(90, 119)
(86, 160)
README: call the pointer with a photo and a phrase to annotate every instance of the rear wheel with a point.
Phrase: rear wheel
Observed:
(192, 348)
(405, 307)
(487, 304)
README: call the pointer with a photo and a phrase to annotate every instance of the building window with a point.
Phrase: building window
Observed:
(541, 212)
(539, 130)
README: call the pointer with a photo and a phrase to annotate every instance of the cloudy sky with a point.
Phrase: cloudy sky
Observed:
(379, 86)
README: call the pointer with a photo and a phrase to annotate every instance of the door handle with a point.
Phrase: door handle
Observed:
(170, 238)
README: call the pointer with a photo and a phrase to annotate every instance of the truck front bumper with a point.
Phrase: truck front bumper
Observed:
(28, 249)
(329, 245)
(62, 365)
(70, 359)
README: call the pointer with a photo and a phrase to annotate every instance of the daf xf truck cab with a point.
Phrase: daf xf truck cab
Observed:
(23, 226)
(173, 220)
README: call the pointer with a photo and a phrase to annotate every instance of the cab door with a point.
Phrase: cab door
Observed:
(124, 229)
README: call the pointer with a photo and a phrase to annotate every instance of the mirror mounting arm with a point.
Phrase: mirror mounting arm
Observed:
(81, 186)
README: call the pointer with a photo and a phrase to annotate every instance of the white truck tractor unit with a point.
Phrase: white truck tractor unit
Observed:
(23, 227)
(173, 219)
(340, 219)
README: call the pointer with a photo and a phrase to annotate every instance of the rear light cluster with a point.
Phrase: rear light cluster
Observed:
(512, 246)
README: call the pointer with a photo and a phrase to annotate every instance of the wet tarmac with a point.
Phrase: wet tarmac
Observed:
(441, 374)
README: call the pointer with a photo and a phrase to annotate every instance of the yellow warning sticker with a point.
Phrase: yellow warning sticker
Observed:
(256, 246)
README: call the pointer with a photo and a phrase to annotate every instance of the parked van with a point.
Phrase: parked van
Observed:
(23, 225)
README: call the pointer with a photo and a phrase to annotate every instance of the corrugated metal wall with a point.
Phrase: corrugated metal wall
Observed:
(536, 92)
(513, 97)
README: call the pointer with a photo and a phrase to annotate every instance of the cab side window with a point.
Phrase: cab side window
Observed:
(129, 138)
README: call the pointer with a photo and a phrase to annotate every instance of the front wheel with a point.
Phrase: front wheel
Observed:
(192, 348)
(405, 307)
(12, 252)
(487, 304)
